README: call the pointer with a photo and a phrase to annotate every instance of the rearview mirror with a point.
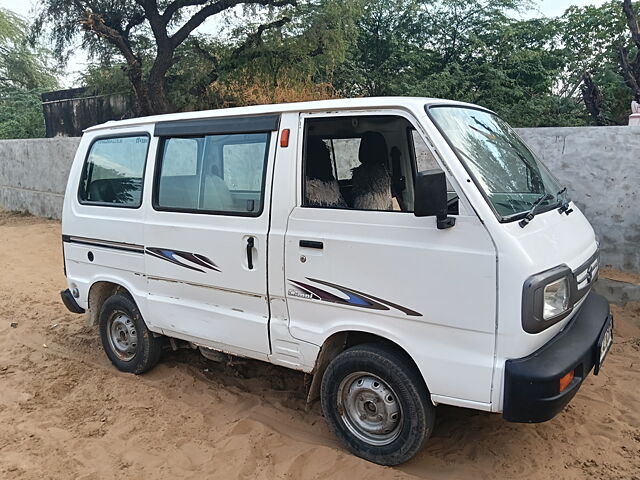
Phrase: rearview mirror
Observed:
(431, 197)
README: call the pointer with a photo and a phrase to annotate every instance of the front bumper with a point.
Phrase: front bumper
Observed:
(532, 389)
(70, 302)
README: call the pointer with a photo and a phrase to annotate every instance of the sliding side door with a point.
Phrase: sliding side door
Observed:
(206, 235)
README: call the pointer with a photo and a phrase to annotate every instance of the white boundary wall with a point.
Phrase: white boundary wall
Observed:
(599, 165)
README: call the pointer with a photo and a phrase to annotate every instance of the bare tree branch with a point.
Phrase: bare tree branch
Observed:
(156, 21)
(628, 71)
(134, 22)
(196, 20)
(213, 74)
(255, 39)
(632, 21)
(592, 96)
(172, 8)
(240, 55)
(95, 23)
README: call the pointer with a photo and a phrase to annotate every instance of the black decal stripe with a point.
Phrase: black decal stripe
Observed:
(153, 251)
(355, 297)
(171, 260)
(405, 310)
(192, 257)
(206, 260)
(301, 286)
(318, 293)
(330, 297)
(94, 242)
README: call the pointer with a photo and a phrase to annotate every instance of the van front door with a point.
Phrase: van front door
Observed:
(358, 259)
(206, 235)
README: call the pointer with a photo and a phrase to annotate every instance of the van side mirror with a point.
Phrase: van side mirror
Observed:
(431, 197)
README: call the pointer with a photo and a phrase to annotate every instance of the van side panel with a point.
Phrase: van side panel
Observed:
(101, 242)
(285, 349)
(430, 291)
(207, 270)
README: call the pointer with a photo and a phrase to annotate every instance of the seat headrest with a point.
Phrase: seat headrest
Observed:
(373, 149)
(318, 165)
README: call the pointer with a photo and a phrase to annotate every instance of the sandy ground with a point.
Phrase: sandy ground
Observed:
(618, 276)
(65, 412)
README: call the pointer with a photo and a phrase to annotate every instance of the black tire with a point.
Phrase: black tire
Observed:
(401, 384)
(135, 349)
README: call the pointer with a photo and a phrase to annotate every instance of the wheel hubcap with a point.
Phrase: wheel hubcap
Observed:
(369, 408)
(122, 335)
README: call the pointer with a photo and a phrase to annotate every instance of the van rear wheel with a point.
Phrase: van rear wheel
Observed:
(377, 404)
(130, 346)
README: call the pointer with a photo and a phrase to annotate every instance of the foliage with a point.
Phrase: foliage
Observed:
(22, 66)
(465, 50)
(20, 114)
(533, 72)
(593, 37)
(147, 34)
(25, 71)
(268, 58)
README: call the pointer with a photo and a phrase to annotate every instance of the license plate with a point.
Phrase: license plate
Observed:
(604, 345)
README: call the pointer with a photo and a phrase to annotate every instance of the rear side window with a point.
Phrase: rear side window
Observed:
(222, 174)
(113, 172)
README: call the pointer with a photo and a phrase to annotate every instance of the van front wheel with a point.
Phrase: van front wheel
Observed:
(377, 404)
(128, 343)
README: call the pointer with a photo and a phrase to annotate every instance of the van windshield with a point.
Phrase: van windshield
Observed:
(512, 178)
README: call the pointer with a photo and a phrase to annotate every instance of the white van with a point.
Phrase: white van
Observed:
(405, 252)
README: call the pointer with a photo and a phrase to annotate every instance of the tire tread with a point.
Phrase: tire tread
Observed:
(399, 369)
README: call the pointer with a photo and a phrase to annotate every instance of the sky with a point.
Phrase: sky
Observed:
(553, 8)
(78, 60)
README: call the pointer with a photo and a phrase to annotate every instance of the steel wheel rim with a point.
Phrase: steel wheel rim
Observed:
(369, 408)
(123, 336)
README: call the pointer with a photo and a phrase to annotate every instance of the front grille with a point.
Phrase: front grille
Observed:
(586, 274)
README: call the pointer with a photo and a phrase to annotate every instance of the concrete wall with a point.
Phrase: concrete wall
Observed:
(599, 165)
(33, 174)
(601, 168)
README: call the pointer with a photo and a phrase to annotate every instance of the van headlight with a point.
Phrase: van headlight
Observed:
(555, 298)
(547, 298)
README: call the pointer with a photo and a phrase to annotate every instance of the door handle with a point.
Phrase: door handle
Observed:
(250, 245)
(311, 244)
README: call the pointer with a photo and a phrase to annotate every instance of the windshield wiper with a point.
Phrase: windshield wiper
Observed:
(564, 206)
(532, 212)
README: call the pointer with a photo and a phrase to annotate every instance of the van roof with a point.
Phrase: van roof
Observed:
(318, 105)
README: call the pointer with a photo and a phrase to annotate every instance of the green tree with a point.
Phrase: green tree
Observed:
(25, 71)
(464, 50)
(267, 58)
(147, 34)
(300, 59)
(603, 62)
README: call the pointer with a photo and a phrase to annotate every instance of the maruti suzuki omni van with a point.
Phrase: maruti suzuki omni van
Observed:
(405, 252)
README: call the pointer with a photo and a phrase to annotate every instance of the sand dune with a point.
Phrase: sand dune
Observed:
(65, 412)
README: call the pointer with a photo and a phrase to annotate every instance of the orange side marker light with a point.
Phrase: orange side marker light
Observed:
(565, 381)
(284, 138)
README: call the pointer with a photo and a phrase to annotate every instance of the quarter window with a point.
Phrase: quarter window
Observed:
(213, 174)
(424, 158)
(113, 172)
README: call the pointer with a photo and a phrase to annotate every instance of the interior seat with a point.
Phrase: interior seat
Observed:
(322, 188)
(97, 191)
(371, 179)
(216, 195)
